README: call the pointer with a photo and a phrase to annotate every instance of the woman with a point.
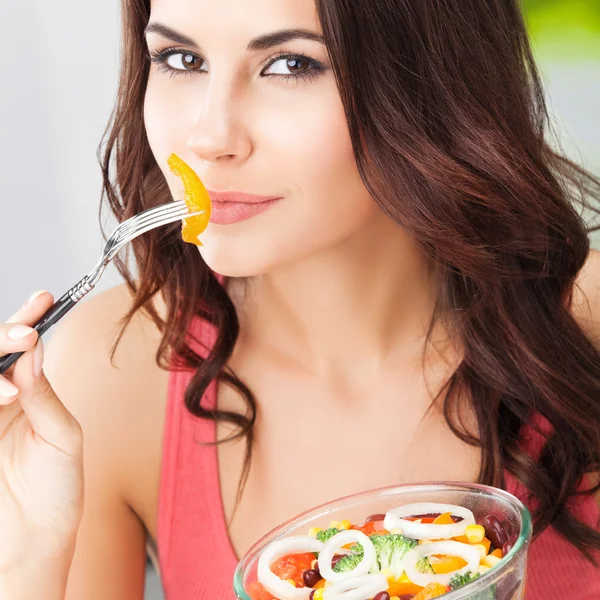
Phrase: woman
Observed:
(394, 262)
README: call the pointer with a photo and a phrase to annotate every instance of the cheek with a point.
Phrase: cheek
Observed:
(309, 146)
(165, 127)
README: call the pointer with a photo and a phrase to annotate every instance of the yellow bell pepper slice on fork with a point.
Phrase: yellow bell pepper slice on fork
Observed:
(196, 197)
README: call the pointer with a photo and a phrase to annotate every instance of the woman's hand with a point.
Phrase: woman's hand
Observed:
(41, 459)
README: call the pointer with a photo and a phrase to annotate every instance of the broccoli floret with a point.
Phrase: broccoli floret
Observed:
(326, 534)
(348, 562)
(424, 566)
(390, 550)
(459, 580)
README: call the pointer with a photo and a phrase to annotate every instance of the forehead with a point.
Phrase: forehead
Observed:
(230, 19)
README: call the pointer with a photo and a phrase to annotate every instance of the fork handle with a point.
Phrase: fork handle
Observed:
(54, 314)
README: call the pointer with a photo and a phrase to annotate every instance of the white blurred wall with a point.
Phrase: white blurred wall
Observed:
(58, 79)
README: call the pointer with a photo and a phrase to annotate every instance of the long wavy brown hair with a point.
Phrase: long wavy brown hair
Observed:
(449, 126)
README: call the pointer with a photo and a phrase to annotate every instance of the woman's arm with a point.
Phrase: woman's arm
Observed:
(110, 558)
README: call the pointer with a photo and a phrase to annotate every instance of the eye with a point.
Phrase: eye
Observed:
(181, 61)
(290, 65)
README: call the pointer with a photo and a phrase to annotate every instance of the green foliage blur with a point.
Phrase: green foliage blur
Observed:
(563, 29)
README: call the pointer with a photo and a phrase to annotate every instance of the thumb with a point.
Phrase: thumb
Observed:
(48, 417)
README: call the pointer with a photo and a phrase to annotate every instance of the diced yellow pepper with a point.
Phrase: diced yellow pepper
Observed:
(444, 519)
(475, 534)
(490, 560)
(446, 564)
(313, 531)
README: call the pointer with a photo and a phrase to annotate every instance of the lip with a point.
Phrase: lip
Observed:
(233, 207)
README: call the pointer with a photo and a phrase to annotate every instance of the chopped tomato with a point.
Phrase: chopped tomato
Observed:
(367, 528)
(293, 566)
(256, 591)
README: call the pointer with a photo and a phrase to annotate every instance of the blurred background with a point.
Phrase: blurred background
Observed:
(58, 92)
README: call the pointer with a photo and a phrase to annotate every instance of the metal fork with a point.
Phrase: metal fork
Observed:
(122, 235)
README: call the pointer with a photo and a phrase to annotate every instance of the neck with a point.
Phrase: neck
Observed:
(369, 299)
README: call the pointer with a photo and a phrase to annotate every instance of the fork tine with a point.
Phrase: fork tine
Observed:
(171, 212)
(157, 211)
(148, 225)
(158, 219)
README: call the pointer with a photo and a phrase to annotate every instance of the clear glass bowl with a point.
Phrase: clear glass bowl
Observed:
(506, 581)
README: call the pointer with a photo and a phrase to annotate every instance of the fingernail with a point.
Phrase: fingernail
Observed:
(18, 332)
(38, 359)
(34, 296)
(7, 389)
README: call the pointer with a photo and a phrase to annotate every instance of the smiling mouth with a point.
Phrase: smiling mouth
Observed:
(233, 207)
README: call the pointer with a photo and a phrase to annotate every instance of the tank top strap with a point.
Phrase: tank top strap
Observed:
(195, 553)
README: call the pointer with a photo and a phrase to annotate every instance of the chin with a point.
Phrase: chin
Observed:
(235, 260)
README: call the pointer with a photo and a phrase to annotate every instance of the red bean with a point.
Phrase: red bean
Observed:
(311, 577)
(336, 558)
(376, 517)
(382, 596)
(495, 531)
(312, 595)
(506, 548)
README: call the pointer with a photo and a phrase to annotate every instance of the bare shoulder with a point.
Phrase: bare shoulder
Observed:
(586, 299)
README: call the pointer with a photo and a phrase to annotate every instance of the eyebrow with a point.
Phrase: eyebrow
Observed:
(262, 42)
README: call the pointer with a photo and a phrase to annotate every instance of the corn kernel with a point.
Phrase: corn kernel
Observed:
(397, 531)
(481, 569)
(291, 582)
(491, 561)
(475, 533)
(312, 532)
(394, 598)
(482, 549)
(335, 525)
(345, 524)
(318, 594)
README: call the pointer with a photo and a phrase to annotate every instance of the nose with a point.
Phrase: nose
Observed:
(219, 134)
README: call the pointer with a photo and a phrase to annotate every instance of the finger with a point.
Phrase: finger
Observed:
(37, 304)
(8, 392)
(16, 338)
(48, 416)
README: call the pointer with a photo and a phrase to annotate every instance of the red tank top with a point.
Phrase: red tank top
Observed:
(197, 559)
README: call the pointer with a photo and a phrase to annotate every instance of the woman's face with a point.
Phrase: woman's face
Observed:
(244, 93)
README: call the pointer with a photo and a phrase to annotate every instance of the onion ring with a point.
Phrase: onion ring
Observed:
(335, 543)
(447, 547)
(278, 549)
(396, 519)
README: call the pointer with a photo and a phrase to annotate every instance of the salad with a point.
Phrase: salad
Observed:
(413, 552)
